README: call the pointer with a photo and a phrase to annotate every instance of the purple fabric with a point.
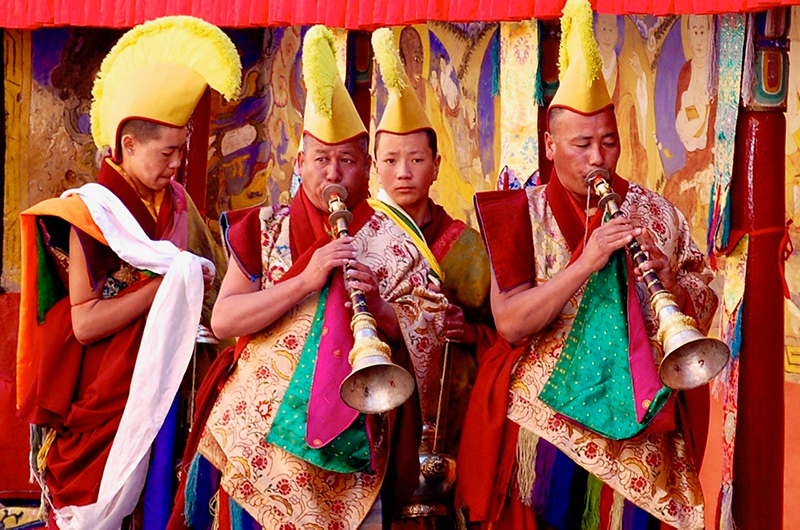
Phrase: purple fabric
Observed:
(545, 457)
(558, 500)
(328, 415)
(628, 515)
(159, 491)
(644, 374)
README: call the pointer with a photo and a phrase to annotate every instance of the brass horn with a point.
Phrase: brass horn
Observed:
(375, 383)
(690, 358)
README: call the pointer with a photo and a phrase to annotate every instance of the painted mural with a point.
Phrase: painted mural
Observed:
(64, 64)
(453, 70)
(253, 141)
(520, 96)
(658, 72)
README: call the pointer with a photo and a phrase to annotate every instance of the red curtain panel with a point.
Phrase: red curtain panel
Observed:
(350, 14)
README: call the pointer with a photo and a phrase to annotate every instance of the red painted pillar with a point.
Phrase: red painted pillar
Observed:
(196, 165)
(758, 207)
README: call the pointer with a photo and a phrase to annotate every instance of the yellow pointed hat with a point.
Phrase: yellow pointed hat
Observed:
(330, 115)
(582, 87)
(158, 71)
(404, 113)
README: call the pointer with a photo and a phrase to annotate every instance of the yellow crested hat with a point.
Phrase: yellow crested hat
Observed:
(582, 87)
(330, 115)
(158, 71)
(403, 113)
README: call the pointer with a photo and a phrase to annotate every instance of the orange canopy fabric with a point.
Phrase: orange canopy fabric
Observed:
(350, 14)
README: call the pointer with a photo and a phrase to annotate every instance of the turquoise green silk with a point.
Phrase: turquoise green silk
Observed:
(591, 383)
(348, 452)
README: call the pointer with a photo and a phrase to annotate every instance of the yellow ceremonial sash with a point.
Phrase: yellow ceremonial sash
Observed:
(401, 219)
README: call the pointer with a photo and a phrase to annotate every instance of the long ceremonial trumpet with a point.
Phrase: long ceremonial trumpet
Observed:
(690, 358)
(375, 383)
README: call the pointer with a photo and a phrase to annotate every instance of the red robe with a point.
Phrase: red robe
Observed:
(81, 391)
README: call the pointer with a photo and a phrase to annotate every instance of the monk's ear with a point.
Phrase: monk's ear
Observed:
(549, 145)
(436, 163)
(128, 144)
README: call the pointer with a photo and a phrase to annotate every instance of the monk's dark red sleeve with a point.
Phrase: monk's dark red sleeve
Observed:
(506, 228)
(241, 232)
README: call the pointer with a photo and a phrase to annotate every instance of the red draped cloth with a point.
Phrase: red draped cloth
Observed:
(81, 391)
(350, 14)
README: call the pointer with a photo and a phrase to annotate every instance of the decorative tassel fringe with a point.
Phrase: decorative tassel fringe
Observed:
(319, 68)
(617, 512)
(213, 509)
(35, 442)
(591, 513)
(726, 521)
(496, 63)
(578, 18)
(388, 59)
(44, 508)
(461, 520)
(36, 471)
(198, 493)
(538, 92)
(41, 457)
(526, 464)
(236, 515)
(749, 70)
(190, 505)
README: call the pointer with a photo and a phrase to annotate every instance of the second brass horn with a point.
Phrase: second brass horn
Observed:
(375, 383)
(690, 358)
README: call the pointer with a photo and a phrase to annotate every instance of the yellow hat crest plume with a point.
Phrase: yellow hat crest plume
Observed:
(582, 87)
(158, 71)
(330, 115)
(404, 113)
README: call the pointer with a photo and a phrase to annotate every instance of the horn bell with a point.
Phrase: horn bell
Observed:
(691, 359)
(376, 385)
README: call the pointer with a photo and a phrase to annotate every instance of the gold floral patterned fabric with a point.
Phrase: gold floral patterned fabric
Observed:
(654, 471)
(275, 487)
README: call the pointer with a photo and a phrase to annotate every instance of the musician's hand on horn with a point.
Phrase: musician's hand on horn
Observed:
(612, 236)
(660, 263)
(326, 258)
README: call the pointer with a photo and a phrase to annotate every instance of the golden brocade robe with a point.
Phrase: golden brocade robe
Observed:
(654, 471)
(274, 486)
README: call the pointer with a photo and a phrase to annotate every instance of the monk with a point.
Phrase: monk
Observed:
(276, 444)
(97, 263)
(568, 418)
